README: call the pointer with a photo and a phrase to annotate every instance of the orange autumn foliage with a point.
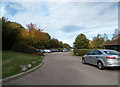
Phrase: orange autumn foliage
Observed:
(91, 46)
(32, 35)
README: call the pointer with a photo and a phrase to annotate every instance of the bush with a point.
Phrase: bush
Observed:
(40, 53)
(81, 52)
(23, 48)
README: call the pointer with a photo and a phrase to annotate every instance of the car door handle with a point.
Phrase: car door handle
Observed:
(96, 56)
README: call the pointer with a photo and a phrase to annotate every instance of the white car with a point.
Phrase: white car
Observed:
(47, 51)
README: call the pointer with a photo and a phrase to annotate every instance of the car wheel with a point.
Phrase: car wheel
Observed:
(100, 65)
(83, 61)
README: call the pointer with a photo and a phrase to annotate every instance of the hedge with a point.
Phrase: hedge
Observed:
(23, 48)
(81, 52)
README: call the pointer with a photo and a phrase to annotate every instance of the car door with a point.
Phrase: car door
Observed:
(89, 56)
(96, 55)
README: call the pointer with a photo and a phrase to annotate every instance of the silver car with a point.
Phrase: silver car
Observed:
(102, 58)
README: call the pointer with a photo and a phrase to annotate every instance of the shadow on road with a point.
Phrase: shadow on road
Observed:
(107, 68)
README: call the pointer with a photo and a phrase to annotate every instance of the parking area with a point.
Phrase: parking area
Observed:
(61, 68)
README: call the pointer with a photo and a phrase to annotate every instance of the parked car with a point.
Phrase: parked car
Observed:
(42, 51)
(47, 51)
(54, 50)
(102, 58)
(61, 50)
(37, 50)
(65, 50)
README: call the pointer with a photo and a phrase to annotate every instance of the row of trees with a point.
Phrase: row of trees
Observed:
(13, 33)
(81, 41)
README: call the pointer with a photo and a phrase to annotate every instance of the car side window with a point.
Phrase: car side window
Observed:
(90, 53)
(100, 53)
(97, 52)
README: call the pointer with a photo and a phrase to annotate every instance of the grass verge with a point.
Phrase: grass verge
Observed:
(12, 60)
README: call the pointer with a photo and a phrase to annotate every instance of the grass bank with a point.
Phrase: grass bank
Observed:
(12, 60)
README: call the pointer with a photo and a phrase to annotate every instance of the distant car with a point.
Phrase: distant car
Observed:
(54, 50)
(37, 50)
(41, 51)
(102, 58)
(61, 50)
(71, 49)
(65, 50)
(47, 51)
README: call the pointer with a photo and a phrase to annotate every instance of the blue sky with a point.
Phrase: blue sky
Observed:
(65, 20)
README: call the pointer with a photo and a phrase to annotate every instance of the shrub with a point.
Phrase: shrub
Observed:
(81, 52)
(23, 48)
(40, 53)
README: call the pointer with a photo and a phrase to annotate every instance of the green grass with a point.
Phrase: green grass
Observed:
(12, 60)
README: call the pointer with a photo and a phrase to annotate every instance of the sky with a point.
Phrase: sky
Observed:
(65, 20)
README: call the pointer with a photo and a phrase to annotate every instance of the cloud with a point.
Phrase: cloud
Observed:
(65, 20)
(71, 28)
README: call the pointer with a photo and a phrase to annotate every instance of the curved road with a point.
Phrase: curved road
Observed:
(65, 69)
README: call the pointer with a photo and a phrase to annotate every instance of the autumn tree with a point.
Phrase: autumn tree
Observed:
(98, 41)
(24, 36)
(45, 42)
(13, 33)
(91, 44)
(37, 38)
(32, 31)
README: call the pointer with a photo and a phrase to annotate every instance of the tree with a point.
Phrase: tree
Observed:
(36, 37)
(11, 33)
(67, 46)
(91, 44)
(98, 41)
(116, 34)
(105, 37)
(46, 41)
(25, 36)
(106, 40)
(31, 30)
(81, 42)
(55, 43)
(61, 44)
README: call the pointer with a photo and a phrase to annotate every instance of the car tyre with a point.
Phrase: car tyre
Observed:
(100, 65)
(83, 61)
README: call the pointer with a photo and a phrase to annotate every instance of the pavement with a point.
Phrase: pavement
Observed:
(62, 68)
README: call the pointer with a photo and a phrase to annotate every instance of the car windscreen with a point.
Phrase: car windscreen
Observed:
(112, 52)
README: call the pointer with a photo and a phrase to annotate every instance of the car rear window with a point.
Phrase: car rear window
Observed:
(112, 52)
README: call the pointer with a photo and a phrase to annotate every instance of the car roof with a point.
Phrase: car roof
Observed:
(105, 50)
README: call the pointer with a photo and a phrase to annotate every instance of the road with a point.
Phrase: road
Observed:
(65, 69)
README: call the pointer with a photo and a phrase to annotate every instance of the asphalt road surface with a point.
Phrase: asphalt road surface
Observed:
(65, 69)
